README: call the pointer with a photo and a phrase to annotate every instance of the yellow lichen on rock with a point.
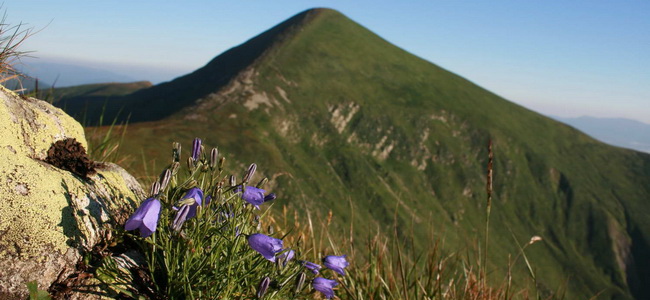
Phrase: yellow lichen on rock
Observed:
(33, 205)
(29, 126)
(50, 216)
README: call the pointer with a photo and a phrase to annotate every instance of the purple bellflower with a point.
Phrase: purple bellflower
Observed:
(325, 286)
(265, 245)
(336, 263)
(145, 217)
(197, 195)
(255, 196)
(187, 210)
(196, 149)
(314, 268)
(286, 257)
(181, 217)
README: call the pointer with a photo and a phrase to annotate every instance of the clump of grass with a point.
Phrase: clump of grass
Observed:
(104, 143)
(385, 270)
(11, 37)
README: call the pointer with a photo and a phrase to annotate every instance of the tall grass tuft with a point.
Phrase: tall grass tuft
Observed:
(11, 37)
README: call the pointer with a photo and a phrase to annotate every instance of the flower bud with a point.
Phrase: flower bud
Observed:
(534, 239)
(263, 287)
(174, 168)
(214, 156)
(164, 179)
(222, 161)
(155, 189)
(300, 282)
(190, 163)
(181, 217)
(249, 174)
(196, 149)
(176, 152)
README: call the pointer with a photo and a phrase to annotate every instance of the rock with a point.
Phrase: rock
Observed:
(50, 216)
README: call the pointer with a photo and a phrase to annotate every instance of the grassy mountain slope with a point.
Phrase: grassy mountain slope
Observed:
(340, 119)
(100, 89)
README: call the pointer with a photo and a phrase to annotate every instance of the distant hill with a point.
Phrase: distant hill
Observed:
(619, 132)
(342, 120)
(99, 90)
(66, 74)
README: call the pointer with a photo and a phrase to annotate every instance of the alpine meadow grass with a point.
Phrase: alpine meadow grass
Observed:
(206, 233)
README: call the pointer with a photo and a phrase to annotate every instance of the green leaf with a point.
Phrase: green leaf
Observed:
(35, 293)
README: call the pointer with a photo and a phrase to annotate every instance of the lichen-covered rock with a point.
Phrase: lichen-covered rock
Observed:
(49, 216)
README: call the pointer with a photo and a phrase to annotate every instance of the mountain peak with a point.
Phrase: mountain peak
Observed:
(170, 97)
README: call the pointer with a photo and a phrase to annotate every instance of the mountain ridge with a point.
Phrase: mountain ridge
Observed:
(218, 72)
(342, 120)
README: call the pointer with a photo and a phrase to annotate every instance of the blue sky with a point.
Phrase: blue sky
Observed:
(567, 58)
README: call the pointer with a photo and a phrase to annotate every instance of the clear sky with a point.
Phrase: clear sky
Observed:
(567, 58)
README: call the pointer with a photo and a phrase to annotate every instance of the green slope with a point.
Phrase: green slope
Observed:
(343, 120)
(100, 89)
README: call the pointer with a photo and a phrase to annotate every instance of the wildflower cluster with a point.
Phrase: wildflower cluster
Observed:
(201, 235)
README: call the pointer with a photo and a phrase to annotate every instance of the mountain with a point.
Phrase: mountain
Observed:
(619, 132)
(339, 119)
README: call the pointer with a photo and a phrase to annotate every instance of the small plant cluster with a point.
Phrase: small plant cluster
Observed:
(11, 37)
(201, 235)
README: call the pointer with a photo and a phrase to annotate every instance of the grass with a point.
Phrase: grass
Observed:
(11, 37)
(181, 266)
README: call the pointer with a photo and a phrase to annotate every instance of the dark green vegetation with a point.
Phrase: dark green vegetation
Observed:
(99, 90)
(96, 93)
(343, 120)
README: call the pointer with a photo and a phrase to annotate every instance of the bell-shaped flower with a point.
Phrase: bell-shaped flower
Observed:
(255, 196)
(189, 203)
(313, 267)
(336, 263)
(145, 217)
(270, 197)
(285, 257)
(265, 245)
(197, 195)
(325, 286)
(193, 198)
